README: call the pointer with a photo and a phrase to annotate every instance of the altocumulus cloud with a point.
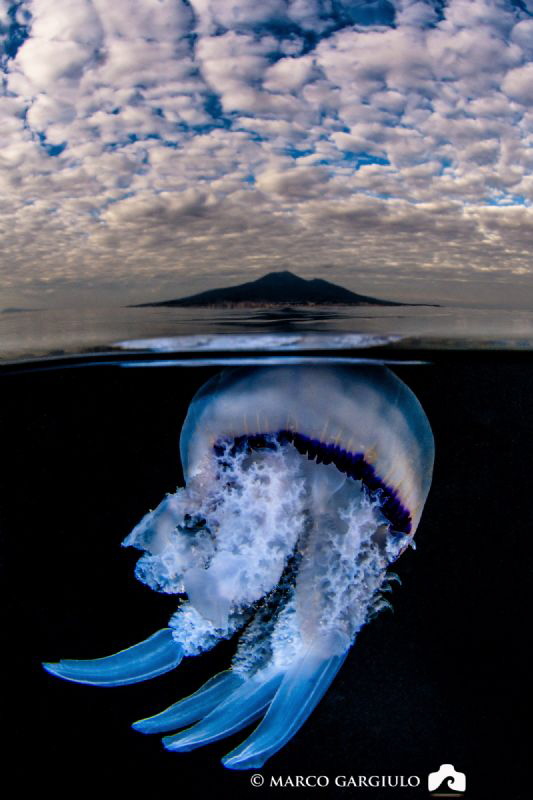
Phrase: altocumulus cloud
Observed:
(208, 141)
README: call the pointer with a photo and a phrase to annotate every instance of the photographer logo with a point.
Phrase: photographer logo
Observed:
(447, 782)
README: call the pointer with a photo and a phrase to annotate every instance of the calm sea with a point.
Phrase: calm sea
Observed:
(55, 332)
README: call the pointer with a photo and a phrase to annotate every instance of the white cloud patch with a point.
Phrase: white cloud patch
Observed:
(170, 138)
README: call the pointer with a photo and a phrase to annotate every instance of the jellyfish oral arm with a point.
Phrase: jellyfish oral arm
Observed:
(303, 485)
(301, 689)
(156, 655)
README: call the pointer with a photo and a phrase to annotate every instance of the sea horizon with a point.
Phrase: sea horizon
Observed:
(29, 334)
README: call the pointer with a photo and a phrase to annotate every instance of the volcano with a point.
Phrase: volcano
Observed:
(278, 289)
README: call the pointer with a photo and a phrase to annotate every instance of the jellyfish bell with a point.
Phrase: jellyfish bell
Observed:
(364, 412)
(303, 484)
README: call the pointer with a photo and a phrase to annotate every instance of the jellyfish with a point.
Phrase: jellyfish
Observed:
(303, 485)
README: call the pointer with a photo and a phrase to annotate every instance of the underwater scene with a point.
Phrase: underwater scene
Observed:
(337, 615)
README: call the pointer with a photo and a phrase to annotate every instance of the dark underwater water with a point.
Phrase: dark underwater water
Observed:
(443, 679)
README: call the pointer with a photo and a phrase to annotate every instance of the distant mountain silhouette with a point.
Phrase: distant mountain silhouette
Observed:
(15, 310)
(277, 289)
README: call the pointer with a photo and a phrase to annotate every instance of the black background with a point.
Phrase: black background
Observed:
(442, 679)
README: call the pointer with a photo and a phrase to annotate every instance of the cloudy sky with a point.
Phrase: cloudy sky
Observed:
(153, 148)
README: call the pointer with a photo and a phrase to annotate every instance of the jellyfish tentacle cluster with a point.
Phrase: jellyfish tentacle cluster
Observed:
(303, 484)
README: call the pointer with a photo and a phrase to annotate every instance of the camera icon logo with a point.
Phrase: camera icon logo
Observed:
(455, 781)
